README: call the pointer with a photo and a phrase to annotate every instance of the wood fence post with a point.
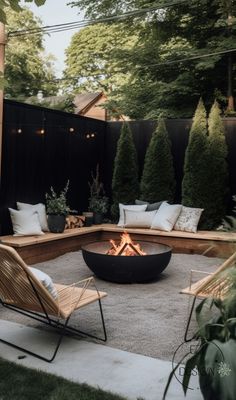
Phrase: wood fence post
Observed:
(2, 54)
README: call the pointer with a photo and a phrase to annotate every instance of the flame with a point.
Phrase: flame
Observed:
(126, 247)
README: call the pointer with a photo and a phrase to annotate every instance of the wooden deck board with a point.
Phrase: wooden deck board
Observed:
(35, 249)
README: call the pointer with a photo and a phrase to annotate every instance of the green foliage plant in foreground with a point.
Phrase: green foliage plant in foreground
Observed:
(21, 383)
(214, 358)
(158, 178)
(125, 184)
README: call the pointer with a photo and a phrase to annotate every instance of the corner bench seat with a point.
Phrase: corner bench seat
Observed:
(35, 249)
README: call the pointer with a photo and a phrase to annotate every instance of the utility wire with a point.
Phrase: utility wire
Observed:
(82, 23)
(194, 57)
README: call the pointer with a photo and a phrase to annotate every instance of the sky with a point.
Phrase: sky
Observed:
(57, 12)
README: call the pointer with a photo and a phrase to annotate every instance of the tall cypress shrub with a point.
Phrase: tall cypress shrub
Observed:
(217, 169)
(158, 178)
(125, 184)
(195, 184)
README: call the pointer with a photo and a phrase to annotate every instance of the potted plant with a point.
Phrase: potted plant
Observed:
(57, 209)
(98, 202)
(214, 358)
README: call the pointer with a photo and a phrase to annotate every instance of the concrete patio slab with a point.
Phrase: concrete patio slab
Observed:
(128, 374)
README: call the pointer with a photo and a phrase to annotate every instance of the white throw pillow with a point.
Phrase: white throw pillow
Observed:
(41, 210)
(25, 222)
(45, 280)
(140, 219)
(124, 207)
(188, 219)
(166, 217)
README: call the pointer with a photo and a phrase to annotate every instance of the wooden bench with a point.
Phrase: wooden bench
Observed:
(35, 249)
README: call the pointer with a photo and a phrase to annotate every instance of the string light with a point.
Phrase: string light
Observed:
(90, 135)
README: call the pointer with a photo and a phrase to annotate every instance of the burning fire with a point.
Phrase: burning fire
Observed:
(126, 247)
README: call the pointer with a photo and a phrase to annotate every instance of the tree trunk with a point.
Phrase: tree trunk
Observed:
(230, 105)
(2, 52)
(230, 91)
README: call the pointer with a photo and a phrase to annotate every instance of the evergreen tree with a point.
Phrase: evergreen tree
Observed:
(125, 185)
(217, 169)
(195, 186)
(158, 179)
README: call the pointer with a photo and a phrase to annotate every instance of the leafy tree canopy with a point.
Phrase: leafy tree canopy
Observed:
(15, 5)
(99, 8)
(92, 57)
(27, 68)
(156, 84)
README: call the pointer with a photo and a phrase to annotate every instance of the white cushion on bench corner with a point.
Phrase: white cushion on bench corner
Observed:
(131, 207)
(140, 219)
(25, 222)
(45, 280)
(188, 219)
(41, 210)
(166, 217)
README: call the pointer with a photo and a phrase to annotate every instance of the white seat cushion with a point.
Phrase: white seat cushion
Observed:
(45, 280)
(25, 222)
(188, 219)
(140, 219)
(131, 207)
(41, 210)
(166, 217)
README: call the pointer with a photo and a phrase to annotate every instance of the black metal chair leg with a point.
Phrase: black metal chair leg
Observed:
(186, 339)
(63, 328)
(62, 334)
(79, 332)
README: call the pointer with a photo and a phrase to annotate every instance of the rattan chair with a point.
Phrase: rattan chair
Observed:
(214, 285)
(21, 291)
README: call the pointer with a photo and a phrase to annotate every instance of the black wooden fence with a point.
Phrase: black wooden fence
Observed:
(43, 148)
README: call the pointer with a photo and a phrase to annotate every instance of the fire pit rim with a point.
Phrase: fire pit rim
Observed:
(166, 246)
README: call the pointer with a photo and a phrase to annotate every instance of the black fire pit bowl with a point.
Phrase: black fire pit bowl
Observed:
(127, 269)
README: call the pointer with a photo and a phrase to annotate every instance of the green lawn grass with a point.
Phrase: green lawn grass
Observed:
(21, 383)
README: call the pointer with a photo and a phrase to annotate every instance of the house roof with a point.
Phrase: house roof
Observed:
(84, 101)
